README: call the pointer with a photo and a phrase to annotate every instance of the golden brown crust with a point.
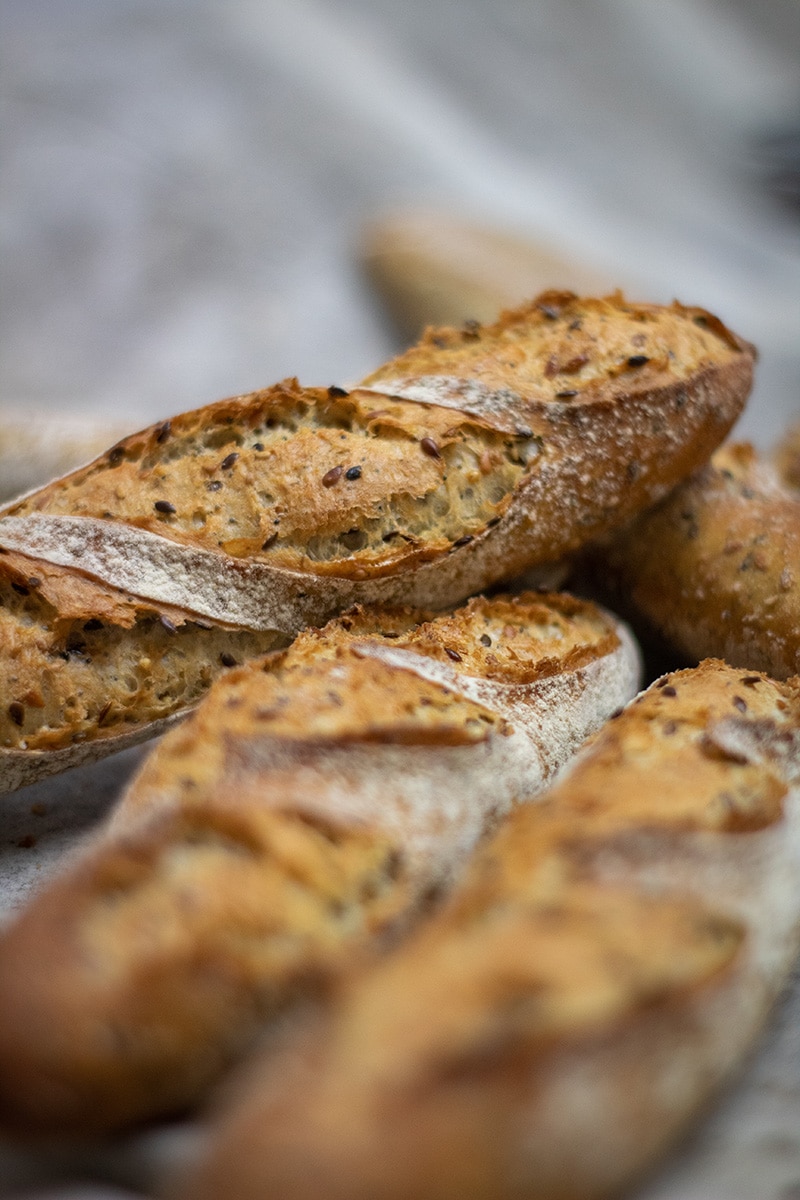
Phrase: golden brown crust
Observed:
(605, 963)
(86, 669)
(715, 568)
(302, 814)
(561, 342)
(481, 453)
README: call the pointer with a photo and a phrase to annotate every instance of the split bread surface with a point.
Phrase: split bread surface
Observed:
(481, 453)
(607, 961)
(313, 805)
(87, 669)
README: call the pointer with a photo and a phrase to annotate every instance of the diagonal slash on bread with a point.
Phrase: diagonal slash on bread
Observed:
(605, 964)
(314, 803)
(479, 454)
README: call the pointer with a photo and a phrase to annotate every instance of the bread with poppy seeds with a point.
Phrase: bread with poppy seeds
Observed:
(313, 805)
(481, 453)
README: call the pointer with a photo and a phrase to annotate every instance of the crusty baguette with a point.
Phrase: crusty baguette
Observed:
(715, 567)
(604, 966)
(479, 454)
(432, 268)
(313, 802)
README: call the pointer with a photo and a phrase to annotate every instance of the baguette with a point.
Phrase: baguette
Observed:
(608, 960)
(311, 806)
(715, 568)
(436, 269)
(479, 454)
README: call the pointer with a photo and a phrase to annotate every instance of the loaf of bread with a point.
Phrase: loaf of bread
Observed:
(605, 964)
(433, 268)
(715, 567)
(314, 803)
(479, 454)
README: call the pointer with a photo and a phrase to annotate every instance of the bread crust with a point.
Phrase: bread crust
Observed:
(314, 803)
(715, 568)
(605, 965)
(86, 670)
(573, 467)
(480, 454)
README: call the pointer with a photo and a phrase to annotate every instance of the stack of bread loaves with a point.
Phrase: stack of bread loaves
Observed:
(329, 869)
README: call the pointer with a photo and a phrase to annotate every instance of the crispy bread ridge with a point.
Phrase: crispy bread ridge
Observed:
(313, 803)
(479, 454)
(605, 964)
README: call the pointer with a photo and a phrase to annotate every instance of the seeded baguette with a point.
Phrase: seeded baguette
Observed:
(86, 670)
(479, 454)
(605, 964)
(314, 802)
(715, 567)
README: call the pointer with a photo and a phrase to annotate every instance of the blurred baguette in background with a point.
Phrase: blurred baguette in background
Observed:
(37, 446)
(787, 457)
(432, 268)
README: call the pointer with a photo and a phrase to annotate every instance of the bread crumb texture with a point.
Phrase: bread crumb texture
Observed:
(81, 661)
(431, 452)
(303, 479)
(481, 453)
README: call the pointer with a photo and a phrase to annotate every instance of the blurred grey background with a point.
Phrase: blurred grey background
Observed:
(184, 184)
